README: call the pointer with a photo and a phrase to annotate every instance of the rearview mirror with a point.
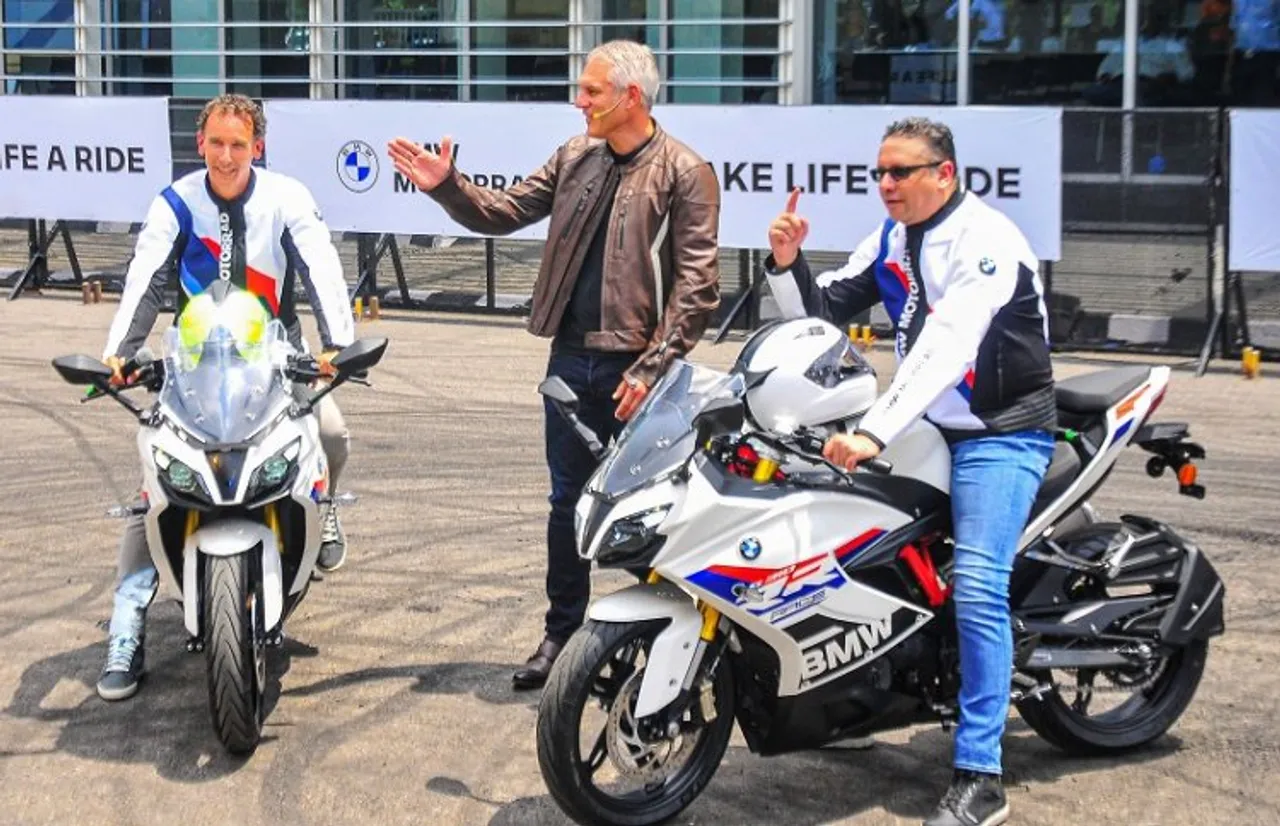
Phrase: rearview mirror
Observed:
(82, 370)
(360, 355)
(554, 388)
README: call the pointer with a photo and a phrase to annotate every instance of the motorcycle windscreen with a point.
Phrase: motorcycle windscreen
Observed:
(660, 436)
(227, 386)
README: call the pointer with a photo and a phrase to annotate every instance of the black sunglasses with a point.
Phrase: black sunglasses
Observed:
(901, 173)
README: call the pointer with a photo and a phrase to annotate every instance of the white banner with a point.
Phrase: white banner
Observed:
(1254, 243)
(1011, 157)
(82, 158)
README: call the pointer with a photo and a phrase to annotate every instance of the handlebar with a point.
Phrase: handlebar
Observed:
(807, 445)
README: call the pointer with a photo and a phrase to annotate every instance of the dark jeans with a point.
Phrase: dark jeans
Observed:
(593, 376)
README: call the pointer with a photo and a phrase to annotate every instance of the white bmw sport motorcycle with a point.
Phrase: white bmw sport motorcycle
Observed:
(234, 479)
(809, 604)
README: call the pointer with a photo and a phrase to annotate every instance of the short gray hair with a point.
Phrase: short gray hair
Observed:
(936, 135)
(631, 62)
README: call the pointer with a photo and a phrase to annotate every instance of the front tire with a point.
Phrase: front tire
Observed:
(600, 666)
(235, 652)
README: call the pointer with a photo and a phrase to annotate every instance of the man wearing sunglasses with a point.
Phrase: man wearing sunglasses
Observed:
(960, 283)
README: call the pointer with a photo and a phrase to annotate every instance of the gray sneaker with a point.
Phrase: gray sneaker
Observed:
(120, 676)
(333, 542)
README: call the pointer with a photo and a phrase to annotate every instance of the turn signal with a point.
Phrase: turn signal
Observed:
(1187, 475)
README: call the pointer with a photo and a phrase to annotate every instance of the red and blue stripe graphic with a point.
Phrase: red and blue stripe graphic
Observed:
(1125, 408)
(965, 387)
(776, 588)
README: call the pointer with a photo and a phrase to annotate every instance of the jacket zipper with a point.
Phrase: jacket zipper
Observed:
(622, 226)
(582, 203)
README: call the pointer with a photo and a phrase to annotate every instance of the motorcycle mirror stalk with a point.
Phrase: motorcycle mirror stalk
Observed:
(355, 358)
(565, 402)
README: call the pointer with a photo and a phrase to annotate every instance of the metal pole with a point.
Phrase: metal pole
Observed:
(490, 275)
(962, 58)
(1130, 87)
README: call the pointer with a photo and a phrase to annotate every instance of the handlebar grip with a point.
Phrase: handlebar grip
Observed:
(878, 465)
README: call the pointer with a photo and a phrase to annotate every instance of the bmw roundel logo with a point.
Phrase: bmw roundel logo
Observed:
(357, 166)
(986, 266)
(749, 548)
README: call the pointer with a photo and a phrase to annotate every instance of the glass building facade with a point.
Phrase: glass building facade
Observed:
(1074, 53)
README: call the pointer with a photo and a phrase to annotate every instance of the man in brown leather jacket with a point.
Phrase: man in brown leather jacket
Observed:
(628, 282)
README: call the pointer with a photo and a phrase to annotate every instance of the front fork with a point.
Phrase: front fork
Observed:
(271, 519)
(696, 690)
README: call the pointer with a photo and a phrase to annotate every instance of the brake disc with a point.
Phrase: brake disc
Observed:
(631, 754)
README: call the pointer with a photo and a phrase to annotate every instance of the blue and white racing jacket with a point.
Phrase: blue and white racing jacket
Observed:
(260, 242)
(970, 325)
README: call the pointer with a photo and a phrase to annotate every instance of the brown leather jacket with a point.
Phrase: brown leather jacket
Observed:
(661, 279)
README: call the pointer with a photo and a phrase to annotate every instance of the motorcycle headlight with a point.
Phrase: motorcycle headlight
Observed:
(180, 478)
(633, 541)
(277, 472)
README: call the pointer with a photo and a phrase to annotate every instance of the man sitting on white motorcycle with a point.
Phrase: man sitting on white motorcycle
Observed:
(258, 230)
(960, 283)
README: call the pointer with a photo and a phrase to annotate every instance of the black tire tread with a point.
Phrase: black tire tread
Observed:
(229, 655)
(557, 730)
(1050, 717)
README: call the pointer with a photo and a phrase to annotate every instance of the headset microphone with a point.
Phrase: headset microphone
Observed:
(598, 115)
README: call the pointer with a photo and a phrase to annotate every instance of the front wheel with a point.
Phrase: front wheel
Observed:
(235, 652)
(598, 763)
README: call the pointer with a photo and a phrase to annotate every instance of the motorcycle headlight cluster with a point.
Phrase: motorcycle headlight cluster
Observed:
(180, 478)
(276, 473)
(633, 541)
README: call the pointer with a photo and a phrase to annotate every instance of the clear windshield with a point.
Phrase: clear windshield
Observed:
(660, 436)
(226, 381)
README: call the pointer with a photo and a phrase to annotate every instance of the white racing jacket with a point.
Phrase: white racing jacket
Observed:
(967, 304)
(261, 242)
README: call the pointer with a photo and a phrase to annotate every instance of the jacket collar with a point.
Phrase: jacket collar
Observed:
(942, 214)
(242, 198)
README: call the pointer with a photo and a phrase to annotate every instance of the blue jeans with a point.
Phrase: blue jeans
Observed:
(994, 481)
(593, 376)
(136, 581)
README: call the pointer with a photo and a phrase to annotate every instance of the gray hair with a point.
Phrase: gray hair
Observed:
(936, 135)
(631, 62)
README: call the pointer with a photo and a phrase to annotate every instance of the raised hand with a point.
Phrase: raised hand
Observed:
(425, 168)
(787, 233)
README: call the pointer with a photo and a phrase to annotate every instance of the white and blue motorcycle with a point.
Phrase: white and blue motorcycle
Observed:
(808, 604)
(234, 482)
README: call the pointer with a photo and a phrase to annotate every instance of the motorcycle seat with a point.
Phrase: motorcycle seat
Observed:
(1094, 393)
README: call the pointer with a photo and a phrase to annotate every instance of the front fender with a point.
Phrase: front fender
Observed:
(230, 537)
(672, 655)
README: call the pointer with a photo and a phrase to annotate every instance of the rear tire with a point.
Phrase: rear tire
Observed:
(1159, 696)
(235, 652)
(1140, 720)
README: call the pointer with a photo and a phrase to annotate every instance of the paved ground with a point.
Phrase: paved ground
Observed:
(395, 704)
